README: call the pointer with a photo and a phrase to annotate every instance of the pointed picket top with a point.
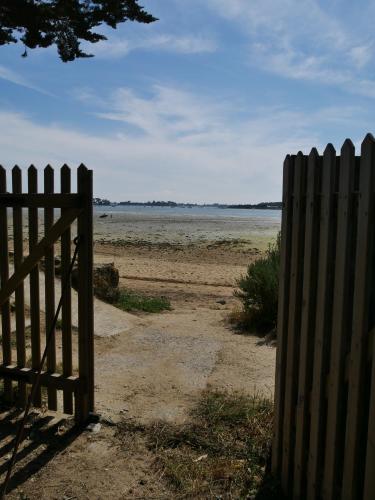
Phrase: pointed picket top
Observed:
(16, 178)
(82, 174)
(329, 151)
(368, 144)
(369, 139)
(3, 179)
(16, 169)
(32, 174)
(32, 171)
(82, 168)
(65, 172)
(347, 147)
(48, 172)
(300, 157)
(49, 179)
(314, 153)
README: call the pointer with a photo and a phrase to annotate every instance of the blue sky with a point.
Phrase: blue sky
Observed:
(200, 106)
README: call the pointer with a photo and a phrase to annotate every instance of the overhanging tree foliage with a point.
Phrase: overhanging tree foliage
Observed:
(41, 23)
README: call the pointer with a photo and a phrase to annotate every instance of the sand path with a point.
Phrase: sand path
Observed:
(157, 369)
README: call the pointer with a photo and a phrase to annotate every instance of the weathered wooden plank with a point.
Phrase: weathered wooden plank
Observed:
(85, 295)
(66, 311)
(47, 379)
(41, 200)
(39, 251)
(369, 482)
(295, 305)
(364, 275)
(4, 276)
(50, 287)
(19, 293)
(283, 309)
(321, 349)
(34, 282)
(341, 326)
(307, 332)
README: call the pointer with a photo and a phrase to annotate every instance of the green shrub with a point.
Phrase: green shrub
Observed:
(258, 290)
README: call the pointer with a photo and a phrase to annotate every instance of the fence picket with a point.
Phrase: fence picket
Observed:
(369, 481)
(310, 263)
(340, 327)
(295, 304)
(66, 311)
(20, 292)
(283, 309)
(357, 411)
(50, 286)
(34, 281)
(4, 276)
(323, 324)
(85, 293)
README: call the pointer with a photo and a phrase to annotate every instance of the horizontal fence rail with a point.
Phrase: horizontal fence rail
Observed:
(35, 226)
(324, 434)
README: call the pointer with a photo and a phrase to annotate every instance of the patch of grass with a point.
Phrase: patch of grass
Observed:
(221, 453)
(131, 301)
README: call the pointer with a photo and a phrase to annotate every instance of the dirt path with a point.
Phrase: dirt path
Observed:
(156, 370)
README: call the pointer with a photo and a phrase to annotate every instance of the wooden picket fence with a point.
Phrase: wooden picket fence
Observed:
(324, 439)
(40, 240)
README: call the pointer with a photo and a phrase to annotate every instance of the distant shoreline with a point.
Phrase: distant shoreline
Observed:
(99, 202)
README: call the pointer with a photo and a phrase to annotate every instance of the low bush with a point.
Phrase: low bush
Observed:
(258, 291)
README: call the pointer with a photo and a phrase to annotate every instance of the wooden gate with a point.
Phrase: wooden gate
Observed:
(33, 249)
(324, 442)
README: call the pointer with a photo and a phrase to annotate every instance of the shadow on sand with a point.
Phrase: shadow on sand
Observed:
(45, 436)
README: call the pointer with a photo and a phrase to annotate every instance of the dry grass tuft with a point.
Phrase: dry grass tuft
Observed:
(221, 453)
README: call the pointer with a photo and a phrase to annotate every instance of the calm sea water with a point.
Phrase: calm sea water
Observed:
(209, 212)
(185, 225)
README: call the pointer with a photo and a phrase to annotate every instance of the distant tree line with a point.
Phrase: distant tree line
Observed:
(272, 205)
(266, 205)
(100, 201)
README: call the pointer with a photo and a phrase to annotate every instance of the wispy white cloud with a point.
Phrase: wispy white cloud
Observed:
(302, 39)
(176, 144)
(120, 47)
(13, 77)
